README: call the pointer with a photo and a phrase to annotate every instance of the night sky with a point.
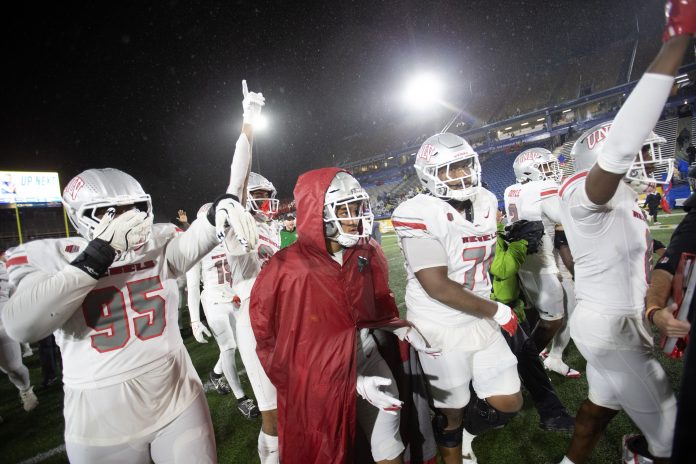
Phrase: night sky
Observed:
(156, 90)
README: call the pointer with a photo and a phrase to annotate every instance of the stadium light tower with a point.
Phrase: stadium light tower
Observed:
(423, 90)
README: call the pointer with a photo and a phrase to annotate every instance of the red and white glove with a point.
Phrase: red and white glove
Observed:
(507, 318)
(680, 18)
(369, 388)
(416, 340)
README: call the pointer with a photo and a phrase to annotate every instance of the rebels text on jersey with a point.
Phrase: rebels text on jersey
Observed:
(611, 245)
(469, 247)
(536, 201)
(127, 324)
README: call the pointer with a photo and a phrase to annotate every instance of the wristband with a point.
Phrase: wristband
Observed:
(211, 211)
(650, 313)
(96, 258)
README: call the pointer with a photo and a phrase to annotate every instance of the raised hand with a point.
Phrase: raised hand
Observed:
(251, 104)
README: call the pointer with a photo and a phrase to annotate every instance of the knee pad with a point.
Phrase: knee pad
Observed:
(445, 438)
(479, 417)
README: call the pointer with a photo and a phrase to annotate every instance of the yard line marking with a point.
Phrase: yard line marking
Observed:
(45, 455)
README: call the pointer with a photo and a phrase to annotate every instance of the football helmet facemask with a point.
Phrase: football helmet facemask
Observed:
(262, 208)
(347, 214)
(537, 164)
(648, 169)
(448, 167)
(89, 194)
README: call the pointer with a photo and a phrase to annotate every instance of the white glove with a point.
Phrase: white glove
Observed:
(369, 388)
(252, 104)
(200, 331)
(232, 221)
(416, 340)
(125, 231)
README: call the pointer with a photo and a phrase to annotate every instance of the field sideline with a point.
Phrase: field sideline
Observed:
(30, 437)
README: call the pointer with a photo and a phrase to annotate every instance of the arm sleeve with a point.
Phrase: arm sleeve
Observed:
(41, 303)
(633, 123)
(422, 253)
(239, 170)
(193, 286)
(189, 247)
(683, 241)
(507, 260)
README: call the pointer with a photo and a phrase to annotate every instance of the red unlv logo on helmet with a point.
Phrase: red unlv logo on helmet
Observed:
(426, 152)
(74, 187)
(528, 157)
(597, 136)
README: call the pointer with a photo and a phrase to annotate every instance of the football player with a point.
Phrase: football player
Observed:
(111, 297)
(611, 244)
(214, 271)
(309, 344)
(535, 198)
(11, 352)
(448, 238)
(258, 193)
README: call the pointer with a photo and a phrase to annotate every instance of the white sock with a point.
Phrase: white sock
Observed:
(229, 367)
(218, 366)
(467, 440)
(268, 448)
(566, 461)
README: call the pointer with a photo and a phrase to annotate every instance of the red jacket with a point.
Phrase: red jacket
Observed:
(305, 311)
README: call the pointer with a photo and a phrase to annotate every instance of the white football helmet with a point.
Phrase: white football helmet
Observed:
(95, 189)
(537, 164)
(343, 192)
(266, 208)
(203, 210)
(438, 156)
(643, 174)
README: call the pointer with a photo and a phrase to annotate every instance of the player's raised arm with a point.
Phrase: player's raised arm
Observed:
(230, 222)
(642, 109)
(241, 162)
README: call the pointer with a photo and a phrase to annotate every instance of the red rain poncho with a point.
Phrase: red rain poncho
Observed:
(306, 310)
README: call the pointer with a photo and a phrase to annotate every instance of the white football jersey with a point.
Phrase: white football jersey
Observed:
(126, 325)
(216, 276)
(611, 245)
(4, 287)
(245, 266)
(469, 245)
(536, 201)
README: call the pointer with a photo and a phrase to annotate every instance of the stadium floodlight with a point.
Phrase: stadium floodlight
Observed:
(508, 128)
(524, 124)
(541, 119)
(423, 90)
(565, 111)
(261, 123)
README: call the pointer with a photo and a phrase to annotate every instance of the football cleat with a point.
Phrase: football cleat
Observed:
(29, 399)
(219, 383)
(561, 423)
(635, 450)
(248, 408)
(559, 367)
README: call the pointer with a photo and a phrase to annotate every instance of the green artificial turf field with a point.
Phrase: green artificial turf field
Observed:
(37, 436)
